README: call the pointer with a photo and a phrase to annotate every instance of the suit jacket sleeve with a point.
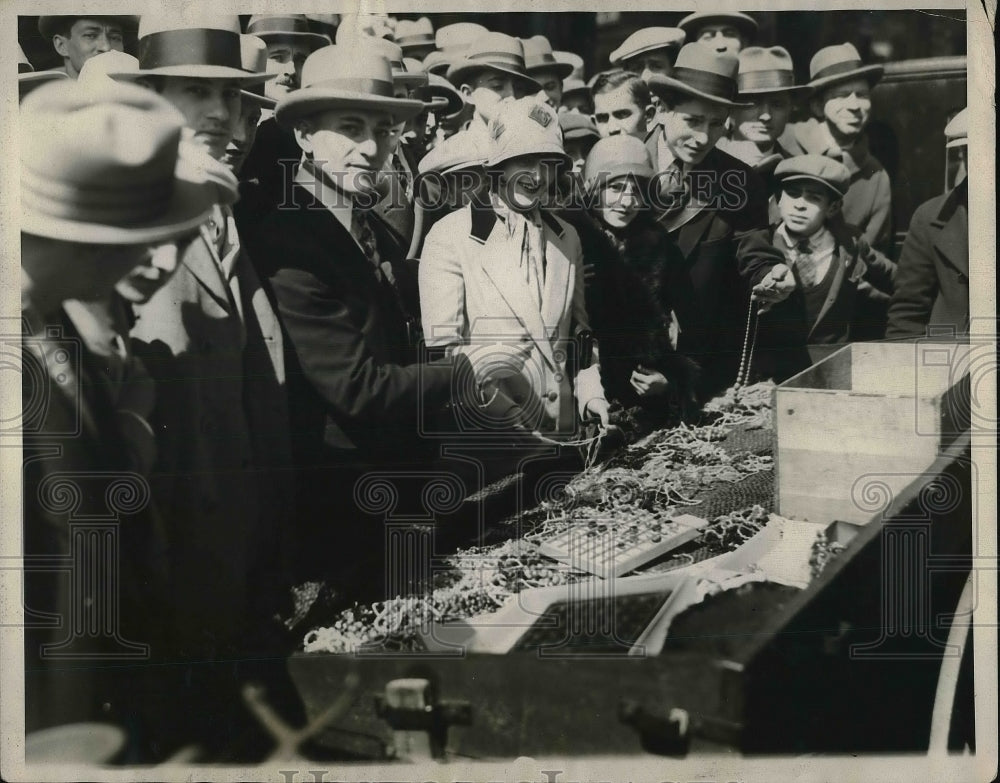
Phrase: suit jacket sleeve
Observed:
(335, 359)
(880, 272)
(916, 282)
(877, 230)
(442, 291)
(587, 383)
(754, 258)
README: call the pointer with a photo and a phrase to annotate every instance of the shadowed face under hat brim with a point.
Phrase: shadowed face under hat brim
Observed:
(190, 206)
(562, 70)
(308, 101)
(313, 40)
(659, 83)
(460, 73)
(810, 178)
(873, 73)
(197, 72)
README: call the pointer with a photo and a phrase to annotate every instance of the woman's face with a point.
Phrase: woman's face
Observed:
(620, 202)
(527, 181)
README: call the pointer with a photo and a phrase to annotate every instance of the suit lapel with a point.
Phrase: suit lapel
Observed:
(952, 237)
(200, 261)
(842, 259)
(557, 280)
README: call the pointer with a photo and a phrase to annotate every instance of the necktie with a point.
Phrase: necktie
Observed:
(805, 264)
(675, 190)
(365, 235)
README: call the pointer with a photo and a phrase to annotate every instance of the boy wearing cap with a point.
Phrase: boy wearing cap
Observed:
(932, 286)
(834, 268)
(70, 140)
(648, 51)
(78, 38)
(501, 282)
(622, 105)
(723, 32)
(841, 105)
(347, 304)
(709, 201)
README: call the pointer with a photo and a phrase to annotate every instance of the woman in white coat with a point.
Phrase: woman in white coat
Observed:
(501, 280)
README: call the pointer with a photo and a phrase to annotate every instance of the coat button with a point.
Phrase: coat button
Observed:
(553, 396)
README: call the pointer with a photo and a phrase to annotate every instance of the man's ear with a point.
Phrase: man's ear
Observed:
(61, 45)
(833, 209)
(650, 111)
(303, 135)
(816, 107)
(466, 90)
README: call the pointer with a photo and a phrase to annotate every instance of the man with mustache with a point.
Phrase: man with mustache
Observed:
(212, 342)
(708, 201)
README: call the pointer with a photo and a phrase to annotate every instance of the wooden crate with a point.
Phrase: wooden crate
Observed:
(859, 426)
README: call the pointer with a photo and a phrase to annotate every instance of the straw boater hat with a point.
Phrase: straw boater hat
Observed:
(575, 60)
(524, 127)
(692, 23)
(571, 86)
(840, 63)
(48, 25)
(493, 52)
(538, 57)
(253, 53)
(393, 53)
(206, 47)
(701, 73)
(957, 130)
(28, 78)
(101, 166)
(817, 168)
(417, 34)
(647, 40)
(767, 70)
(289, 28)
(336, 77)
(458, 35)
(615, 157)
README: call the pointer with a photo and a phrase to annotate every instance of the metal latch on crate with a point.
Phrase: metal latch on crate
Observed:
(419, 720)
(663, 733)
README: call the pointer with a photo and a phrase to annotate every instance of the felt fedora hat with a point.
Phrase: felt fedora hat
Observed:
(198, 47)
(439, 88)
(342, 76)
(701, 73)
(956, 132)
(840, 63)
(817, 168)
(102, 166)
(577, 126)
(253, 53)
(538, 57)
(614, 157)
(294, 28)
(415, 34)
(765, 70)
(48, 26)
(647, 40)
(575, 60)
(458, 35)
(524, 127)
(572, 86)
(692, 23)
(493, 52)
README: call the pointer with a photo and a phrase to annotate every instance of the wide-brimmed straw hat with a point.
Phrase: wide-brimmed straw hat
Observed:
(538, 57)
(524, 127)
(98, 69)
(575, 62)
(841, 63)
(48, 25)
(692, 23)
(342, 76)
(647, 40)
(293, 28)
(766, 70)
(614, 157)
(956, 132)
(253, 53)
(28, 78)
(493, 52)
(461, 151)
(701, 73)
(415, 34)
(101, 166)
(197, 47)
(458, 35)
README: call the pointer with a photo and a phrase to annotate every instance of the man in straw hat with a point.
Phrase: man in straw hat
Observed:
(212, 342)
(544, 68)
(347, 303)
(648, 51)
(708, 201)
(766, 81)
(724, 32)
(78, 38)
(120, 142)
(501, 282)
(841, 105)
(416, 37)
(932, 286)
(28, 78)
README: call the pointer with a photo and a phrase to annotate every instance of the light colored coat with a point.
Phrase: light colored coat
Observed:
(474, 298)
(212, 343)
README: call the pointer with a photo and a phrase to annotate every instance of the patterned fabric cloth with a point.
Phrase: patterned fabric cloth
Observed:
(675, 189)
(363, 232)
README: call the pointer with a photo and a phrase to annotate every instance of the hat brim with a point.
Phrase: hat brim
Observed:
(617, 57)
(196, 72)
(746, 26)
(562, 70)
(457, 72)
(315, 40)
(659, 83)
(452, 102)
(962, 142)
(190, 205)
(548, 149)
(873, 73)
(795, 91)
(36, 78)
(812, 178)
(421, 43)
(408, 79)
(261, 100)
(581, 134)
(307, 101)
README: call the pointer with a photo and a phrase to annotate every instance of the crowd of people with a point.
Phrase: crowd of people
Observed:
(261, 264)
